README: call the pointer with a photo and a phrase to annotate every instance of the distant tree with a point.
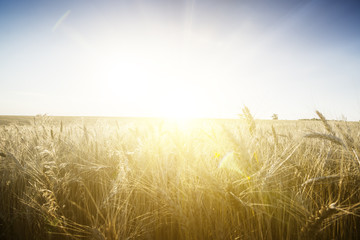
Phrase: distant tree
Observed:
(275, 117)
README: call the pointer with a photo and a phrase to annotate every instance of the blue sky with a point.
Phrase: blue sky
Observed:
(180, 58)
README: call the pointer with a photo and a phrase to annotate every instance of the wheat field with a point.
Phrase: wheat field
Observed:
(164, 179)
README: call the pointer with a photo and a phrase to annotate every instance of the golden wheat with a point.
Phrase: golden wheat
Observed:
(156, 179)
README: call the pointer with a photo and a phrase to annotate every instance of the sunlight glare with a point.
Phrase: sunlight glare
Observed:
(159, 80)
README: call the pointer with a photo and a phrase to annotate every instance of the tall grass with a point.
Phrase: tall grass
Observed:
(154, 179)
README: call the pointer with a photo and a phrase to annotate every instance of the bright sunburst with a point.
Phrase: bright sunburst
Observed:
(161, 80)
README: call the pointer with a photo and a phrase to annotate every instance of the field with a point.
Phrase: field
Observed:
(113, 178)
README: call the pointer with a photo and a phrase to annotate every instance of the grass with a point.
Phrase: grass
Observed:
(157, 179)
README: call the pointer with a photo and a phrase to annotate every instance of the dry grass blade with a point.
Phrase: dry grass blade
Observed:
(321, 179)
(356, 156)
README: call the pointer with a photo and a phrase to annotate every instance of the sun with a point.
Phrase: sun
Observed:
(179, 105)
(152, 77)
(165, 88)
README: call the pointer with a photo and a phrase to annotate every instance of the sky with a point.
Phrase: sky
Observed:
(183, 58)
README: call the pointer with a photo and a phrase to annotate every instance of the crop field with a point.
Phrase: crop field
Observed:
(114, 178)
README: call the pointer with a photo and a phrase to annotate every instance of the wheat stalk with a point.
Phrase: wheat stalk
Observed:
(325, 122)
(313, 224)
(325, 136)
(276, 139)
(249, 119)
